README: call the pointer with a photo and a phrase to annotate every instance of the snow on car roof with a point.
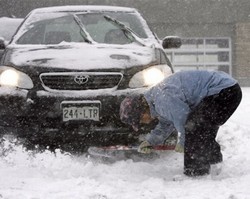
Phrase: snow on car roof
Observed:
(79, 8)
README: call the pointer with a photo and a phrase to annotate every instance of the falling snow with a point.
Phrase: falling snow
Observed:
(30, 174)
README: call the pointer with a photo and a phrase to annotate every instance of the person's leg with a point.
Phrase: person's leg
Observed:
(213, 149)
(201, 148)
(199, 141)
(218, 110)
(222, 106)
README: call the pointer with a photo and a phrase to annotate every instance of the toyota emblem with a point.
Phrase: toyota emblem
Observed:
(81, 79)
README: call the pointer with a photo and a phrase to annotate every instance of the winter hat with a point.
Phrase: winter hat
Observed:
(131, 110)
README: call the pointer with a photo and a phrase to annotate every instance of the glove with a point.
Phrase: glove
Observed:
(179, 148)
(145, 147)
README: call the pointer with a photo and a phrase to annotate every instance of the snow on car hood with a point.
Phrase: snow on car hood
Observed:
(82, 56)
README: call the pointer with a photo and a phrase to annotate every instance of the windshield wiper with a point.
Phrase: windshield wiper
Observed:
(86, 36)
(128, 32)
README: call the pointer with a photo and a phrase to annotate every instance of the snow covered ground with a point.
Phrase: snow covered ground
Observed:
(26, 175)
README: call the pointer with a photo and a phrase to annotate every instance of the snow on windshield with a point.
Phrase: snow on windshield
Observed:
(53, 28)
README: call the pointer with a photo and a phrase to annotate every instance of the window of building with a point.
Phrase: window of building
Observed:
(202, 53)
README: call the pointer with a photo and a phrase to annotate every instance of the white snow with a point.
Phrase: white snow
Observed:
(82, 56)
(84, 8)
(60, 176)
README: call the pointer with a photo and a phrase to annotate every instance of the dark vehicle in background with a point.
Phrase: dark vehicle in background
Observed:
(66, 70)
(8, 27)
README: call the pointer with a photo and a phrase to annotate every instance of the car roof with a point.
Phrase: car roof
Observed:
(83, 8)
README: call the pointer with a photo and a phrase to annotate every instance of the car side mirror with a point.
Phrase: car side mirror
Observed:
(2, 43)
(171, 42)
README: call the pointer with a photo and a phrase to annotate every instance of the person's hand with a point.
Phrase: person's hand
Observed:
(145, 147)
(179, 148)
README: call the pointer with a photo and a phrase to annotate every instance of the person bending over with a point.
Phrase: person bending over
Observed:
(196, 104)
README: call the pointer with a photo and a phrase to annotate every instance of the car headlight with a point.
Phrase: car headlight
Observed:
(150, 76)
(14, 78)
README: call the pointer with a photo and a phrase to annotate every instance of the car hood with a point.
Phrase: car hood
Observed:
(81, 56)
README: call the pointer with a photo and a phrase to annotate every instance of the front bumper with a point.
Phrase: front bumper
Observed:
(40, 114)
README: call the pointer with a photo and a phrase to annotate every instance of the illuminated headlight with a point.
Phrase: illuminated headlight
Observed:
(14, 78)
(150, 76)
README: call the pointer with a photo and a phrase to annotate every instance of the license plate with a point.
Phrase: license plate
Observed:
(81, 110)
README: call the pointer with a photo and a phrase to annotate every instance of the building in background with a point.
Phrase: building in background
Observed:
(216, 33)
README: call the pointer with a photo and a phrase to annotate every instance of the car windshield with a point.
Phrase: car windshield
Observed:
(54, 28)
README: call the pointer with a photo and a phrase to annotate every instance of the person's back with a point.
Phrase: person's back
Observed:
(192, 86)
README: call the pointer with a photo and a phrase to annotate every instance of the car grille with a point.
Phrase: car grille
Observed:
(80, 81)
